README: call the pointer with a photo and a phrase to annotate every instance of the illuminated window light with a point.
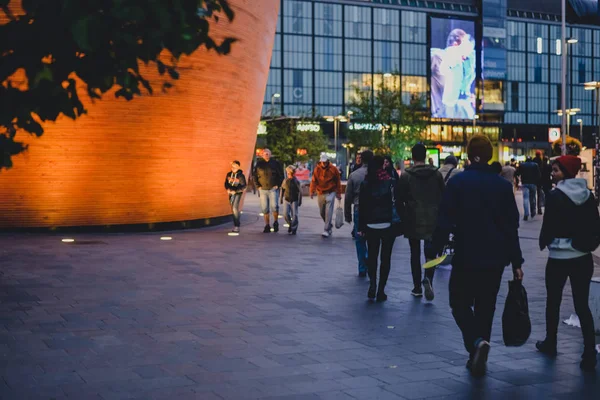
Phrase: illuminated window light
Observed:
(233, 234)
(166, 238)
(539, 45)
(68, 240)
(558, 47)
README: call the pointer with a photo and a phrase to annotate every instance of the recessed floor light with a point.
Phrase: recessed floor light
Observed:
(261, 214)
(67, 240)
(166, 238)
(233, 234)
(286, 225)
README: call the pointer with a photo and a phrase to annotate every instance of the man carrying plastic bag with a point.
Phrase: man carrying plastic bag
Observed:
(479, 208)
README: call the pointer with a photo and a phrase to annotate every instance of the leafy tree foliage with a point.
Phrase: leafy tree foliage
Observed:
(51, 44)
(284, 140)
(401, 125)
(574, 147)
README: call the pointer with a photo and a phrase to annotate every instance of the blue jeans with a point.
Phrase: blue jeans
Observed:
(290, 214)
(361, 245)
(269, 200)
(235, 208)
(529, 195)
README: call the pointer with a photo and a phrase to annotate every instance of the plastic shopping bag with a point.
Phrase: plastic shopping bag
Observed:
(516, 325)
(339, 216)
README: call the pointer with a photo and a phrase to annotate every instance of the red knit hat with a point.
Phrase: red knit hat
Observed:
(569, 165)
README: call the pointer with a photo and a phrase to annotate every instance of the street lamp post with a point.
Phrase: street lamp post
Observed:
(347, 146)
(580, 121)
(569, 113)
(273, 97)
(475, 118)
(595, 86)
(336, 124)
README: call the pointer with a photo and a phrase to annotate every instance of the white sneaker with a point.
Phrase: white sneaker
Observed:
(325, 234)
(236, 229)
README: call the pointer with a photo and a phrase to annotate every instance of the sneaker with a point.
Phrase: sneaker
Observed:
(267, 229)
(293, 232)
(275, 226)
(479, 365)
(325, 234)
(236, 229)
(546, 347)
(290, 230)
(540, 212)
(525, 218)
(381, 296)
(532, 215)
(417, 292)
(428, 289)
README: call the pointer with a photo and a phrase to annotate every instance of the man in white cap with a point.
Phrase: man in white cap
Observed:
(326, 181)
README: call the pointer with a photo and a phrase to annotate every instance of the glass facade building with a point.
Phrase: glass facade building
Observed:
(324, 48)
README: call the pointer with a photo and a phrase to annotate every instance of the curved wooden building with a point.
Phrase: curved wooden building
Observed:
(159, 158)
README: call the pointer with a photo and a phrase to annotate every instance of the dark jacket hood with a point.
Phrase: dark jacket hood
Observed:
(422, 171)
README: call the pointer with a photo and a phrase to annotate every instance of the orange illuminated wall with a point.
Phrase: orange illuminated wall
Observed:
(158, 158)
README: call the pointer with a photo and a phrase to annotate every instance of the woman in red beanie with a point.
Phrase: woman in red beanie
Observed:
(571, 231)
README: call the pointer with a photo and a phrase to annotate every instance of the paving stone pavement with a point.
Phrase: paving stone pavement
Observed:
(259, 316)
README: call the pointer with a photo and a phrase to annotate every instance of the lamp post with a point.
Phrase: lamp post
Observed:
(273, 97)
(347, 146)
(563, 78)
(595, 86)
(580, 121)
(475, 118)
(336, 124)
(569, 113)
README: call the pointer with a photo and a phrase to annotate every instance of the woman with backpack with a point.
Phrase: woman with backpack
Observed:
(378, 222)
(571, 231)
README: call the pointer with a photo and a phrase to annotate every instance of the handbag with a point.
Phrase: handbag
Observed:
(339, 216)
(516, 325)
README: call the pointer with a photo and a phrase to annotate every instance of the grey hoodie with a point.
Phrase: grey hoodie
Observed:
(576, 190)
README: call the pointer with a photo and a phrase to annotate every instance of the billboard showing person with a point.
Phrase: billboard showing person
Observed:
(453, 66)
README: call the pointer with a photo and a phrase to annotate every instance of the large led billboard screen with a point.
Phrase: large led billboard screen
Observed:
(453, 68)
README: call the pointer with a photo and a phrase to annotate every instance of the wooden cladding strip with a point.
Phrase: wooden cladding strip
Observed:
(158, 158)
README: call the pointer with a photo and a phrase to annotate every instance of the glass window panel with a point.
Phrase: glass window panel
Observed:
(387, 56)
(357, 22)
(358, 55)
(297, 87)
(414, 88)
(328, 53)
(328, 19)
(362, 81)
(298, 51)
(328, 88)
(414, 59)
(414, 27)
(297, 16)
(516, 39)
(386, 24)
(273, 84)
(276, 55)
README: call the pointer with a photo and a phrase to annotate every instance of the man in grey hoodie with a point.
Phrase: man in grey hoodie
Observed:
(352, 194)
(571, 232)
(421, 187)
(450, 168)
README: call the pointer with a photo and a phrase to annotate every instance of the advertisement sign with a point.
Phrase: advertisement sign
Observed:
(553, 134)
(453, 68)
(433, 155)
(308, 127)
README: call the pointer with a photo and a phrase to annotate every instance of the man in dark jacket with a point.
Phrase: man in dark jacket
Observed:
(268, 176)
(529, 172)
(479, 208)
(420, 187)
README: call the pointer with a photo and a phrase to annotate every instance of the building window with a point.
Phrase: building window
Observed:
(514, 92)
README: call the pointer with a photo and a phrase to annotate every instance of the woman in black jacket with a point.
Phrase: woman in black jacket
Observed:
(376, 201)
(571, 231)
(235, 184)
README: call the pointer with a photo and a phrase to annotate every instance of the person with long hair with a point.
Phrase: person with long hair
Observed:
(377, 200)
(235, 184)
(570, 231)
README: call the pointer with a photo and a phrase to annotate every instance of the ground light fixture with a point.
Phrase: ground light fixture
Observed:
(233, 234)
(68, 240)
(165, 238)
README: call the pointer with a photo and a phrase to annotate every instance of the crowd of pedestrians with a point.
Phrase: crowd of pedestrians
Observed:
(473, 208)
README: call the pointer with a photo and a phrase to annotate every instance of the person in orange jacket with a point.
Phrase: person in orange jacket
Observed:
(327, 183)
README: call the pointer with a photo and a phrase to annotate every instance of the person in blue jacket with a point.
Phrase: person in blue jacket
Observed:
(479, 208)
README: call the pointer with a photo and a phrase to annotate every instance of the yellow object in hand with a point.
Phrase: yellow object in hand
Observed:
(435, 262)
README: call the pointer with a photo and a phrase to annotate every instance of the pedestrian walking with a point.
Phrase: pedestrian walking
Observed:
(291, 198)
(450, 168)
(235, 184)
(378, 193)
(480, 210)
(327, 183)
(541, 196)
(421, 188)
(546, 177)
(352, 199)
(388, 165)
(570, 231)
(508, 173)
(268, 176)
(496, 167)
(358, 163)
(529, 173)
